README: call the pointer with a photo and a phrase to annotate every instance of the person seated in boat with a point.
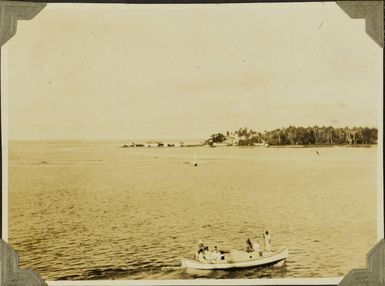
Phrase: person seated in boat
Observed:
(207, 254)
(249, 245)
(201, 246)
(200, 249)
(257, 247)
(201, 257)
(267, 239)
(215, 254)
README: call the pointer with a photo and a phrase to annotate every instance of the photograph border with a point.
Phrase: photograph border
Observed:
(10, 274)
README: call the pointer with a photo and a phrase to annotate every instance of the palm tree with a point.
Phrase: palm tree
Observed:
(315, 133)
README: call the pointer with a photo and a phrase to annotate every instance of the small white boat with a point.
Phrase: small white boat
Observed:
(240, 259)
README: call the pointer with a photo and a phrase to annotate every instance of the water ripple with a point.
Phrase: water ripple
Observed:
(100, 212)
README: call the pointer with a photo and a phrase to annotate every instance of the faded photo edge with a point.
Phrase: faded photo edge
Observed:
(10, 274)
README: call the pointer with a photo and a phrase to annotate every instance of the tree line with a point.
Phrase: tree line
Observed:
(325, 135)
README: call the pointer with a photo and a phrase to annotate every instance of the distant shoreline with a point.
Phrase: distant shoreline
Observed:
(298, 136)
(120, 143)
(251, 146)
(324, 146)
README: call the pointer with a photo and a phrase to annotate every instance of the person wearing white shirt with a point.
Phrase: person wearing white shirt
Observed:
(267, 239)
(207, 254)
(215, 255)
(256, 247)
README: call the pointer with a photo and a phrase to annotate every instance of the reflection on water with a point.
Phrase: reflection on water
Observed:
(91, 210)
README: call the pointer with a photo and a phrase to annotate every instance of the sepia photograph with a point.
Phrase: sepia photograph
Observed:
(192, 142)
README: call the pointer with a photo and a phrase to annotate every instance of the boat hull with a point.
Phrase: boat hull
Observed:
(277, 257)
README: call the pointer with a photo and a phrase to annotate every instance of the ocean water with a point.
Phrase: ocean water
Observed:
(91, 210)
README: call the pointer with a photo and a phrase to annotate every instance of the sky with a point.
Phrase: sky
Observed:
(102, 71)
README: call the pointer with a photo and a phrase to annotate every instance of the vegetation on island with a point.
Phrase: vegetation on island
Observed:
(325, 135)
(289, 136)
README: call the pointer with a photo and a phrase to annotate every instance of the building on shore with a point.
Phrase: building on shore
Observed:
(232, 140)
(153, 144)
